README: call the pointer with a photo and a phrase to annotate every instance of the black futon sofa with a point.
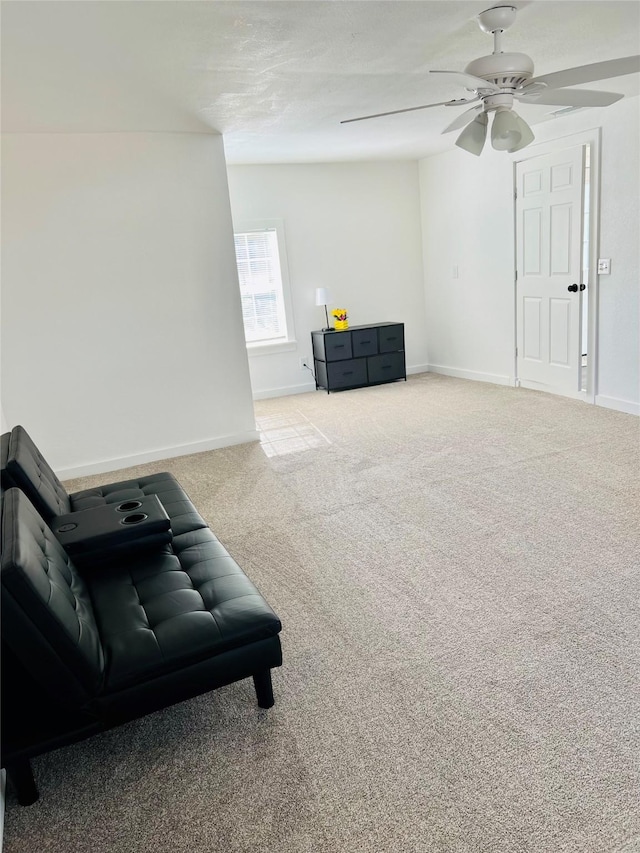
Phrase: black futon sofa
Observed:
(122, 631)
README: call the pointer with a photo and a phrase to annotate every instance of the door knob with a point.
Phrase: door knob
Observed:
(583, 287)
(573, 288)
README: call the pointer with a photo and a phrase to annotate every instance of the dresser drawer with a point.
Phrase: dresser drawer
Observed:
(384, 368)
(345, 374)
(337, 346)
(391, 338)
(364, 342)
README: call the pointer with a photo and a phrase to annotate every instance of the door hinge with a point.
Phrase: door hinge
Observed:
(515, 192)
(516, 352)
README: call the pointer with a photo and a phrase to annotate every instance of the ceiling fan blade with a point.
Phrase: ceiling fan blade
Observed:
(462, 119)
(469, 81)
(590, 73)
(410, 110)
(571, 98)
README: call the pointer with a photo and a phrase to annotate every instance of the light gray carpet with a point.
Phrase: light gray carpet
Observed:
(456, 566)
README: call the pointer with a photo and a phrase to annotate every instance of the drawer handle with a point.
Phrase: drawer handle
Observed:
(386, 367)
(362, 343)
(392, 338)
(339, 346)
(347, 372)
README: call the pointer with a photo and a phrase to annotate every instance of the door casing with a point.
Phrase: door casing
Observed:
(593, 139)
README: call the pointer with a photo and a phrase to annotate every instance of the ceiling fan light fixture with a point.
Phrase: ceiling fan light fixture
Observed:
(526, 135)
(473, 137)
(505, 132)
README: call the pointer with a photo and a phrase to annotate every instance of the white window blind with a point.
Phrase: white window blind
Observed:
(259, 273)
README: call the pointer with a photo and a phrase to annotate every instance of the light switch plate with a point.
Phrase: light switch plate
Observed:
(604, 266)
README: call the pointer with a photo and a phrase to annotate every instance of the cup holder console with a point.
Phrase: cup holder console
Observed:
(100, 533)
(134, 518)
(127, 506)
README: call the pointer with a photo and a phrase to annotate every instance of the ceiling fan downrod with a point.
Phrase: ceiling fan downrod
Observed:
(495, 21)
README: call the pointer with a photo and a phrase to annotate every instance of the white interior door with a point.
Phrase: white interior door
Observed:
(549, 224)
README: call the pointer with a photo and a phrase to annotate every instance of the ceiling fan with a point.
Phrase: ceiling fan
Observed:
(495, 81)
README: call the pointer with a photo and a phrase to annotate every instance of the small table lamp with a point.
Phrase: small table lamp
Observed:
(322, 298)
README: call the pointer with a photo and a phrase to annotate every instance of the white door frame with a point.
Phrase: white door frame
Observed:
(587, 137)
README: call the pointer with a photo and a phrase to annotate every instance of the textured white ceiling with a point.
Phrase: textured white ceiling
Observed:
(275, 77)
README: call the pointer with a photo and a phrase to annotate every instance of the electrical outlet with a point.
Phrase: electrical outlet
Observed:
(303, 363)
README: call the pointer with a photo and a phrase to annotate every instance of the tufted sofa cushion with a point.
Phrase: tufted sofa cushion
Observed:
(173, 498)
(30, 471)
(186, 604)
(25, 467)
(127, 621)
(5, 438)
(47, 612)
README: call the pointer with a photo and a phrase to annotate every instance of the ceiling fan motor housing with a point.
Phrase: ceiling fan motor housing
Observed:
(506, 70)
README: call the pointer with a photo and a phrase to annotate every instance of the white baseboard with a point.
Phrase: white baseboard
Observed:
(548, 389)
(109, 465)
(310, 386)
(619, 405)
(284, 392)
(475, 376)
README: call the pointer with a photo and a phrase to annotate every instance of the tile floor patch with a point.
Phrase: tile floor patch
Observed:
(290, 433)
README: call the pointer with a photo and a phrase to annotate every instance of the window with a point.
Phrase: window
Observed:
(264, 287)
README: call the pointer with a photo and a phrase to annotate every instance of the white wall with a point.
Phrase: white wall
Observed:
(351, 227)
(619, 292)
(467, 213)
(122, 335)
(467, 222)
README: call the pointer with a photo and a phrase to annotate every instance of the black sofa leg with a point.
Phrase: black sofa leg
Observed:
(264, 688)
(20, 775)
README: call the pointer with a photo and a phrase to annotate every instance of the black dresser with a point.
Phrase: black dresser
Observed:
(362, 355)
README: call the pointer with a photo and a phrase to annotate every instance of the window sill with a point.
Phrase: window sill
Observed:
(254, 350)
